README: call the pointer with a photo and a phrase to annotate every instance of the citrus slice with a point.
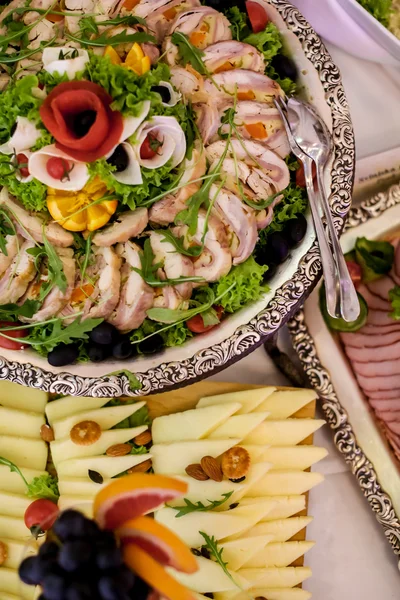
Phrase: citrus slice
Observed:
(158, 541)
(154, 574)
(134, 495)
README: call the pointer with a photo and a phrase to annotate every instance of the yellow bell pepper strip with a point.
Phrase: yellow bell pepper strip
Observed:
(136, 60)
(77, 211)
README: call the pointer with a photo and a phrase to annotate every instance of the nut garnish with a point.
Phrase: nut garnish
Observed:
(119, 450)
(196, 471)
(47, 433)
(235, 463)
(141, 467)
(3, 553)
(85, 433)
(143, 438)
(211, 468)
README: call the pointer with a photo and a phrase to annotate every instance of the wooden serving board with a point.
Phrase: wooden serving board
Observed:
(187, 398)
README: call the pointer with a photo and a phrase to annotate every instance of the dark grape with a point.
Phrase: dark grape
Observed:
(285, 67)
(295, 230)
(109, 558)
(103, 334)
(126, 578)
(70, 524)
(154, 344)
(111, 589)
(80, 591)
(64, 354)
(277, 248)
(54, 585)
(122, 350)
(140, 590)
(98, 352)
(83, 121)
(119, 159)
(74, 554)
(30, 571)
(163, 91)
(272, 269)
(49, 550)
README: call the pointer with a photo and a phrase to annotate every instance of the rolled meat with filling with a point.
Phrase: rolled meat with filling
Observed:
(247, 85)
(159, 14)
(231, 54)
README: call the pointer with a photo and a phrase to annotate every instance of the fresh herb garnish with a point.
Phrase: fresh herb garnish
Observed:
(102, 40)
(394, 297)
(68, 54)
(139, 450)
(55, 267)
(15, 57)
(44, 486)
(6, 228)
(12, 312)
(189, 53)
(199, 506)
(134, 383)
(179, 245)
(13, 468)
(212, 546)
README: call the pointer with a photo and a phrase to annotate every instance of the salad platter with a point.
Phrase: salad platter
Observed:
(242, 453)
(351, 366)
(126, 135)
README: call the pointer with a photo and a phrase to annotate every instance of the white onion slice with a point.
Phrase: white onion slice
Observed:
(174, 96)
(131, 175)
(24, 137)
(78, 177)
(174, 142)
(131, 124)
(67, 66)
(18, 175)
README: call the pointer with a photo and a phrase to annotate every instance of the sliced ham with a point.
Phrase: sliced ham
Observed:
(378, 383)
(385, 395)
(381, 287)
(362, 340)
(375, 302)
(374, 330)
(376, 354)
(379, 317)
(388, 415)
(394, 426)
(392, 404)
(377, 369)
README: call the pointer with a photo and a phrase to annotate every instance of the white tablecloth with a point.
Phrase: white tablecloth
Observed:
(352, 559)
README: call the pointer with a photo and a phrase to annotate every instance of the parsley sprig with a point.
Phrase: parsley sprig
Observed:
(199, 506)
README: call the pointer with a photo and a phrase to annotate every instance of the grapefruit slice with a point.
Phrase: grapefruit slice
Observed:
(154, 574)
(158, 541)
(132, 496)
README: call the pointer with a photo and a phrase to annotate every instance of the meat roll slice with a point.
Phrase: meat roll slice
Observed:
(248, 85)
(230, 54)
(159, 14)
(128, 225)
(18, 276)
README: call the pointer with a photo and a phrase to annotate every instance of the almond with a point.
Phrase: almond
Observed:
(141, 468)
(196, 471)
(119, 450)
(3, 553)
(211, 468)
(235, 463)
(85, 433)
(46, 433)
(143, 438)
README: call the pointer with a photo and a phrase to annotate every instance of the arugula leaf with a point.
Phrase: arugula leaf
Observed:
(7, 227)
(178, 243)
(13, 468)
(50, 334)
(199, 506)
(12, 312)
(104, 39)
(216, 552)
(15, 57)
(88, 26)
(44, 486)
(134, 383)
(55, 267)
(189, 53)
(169, 315)
(394, 297)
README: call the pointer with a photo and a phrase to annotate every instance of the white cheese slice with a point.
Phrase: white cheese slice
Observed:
(16, 526)
(282, 507)
(267, 593)
(281, 529)
(238, 426)
(20, 423)
(11, 583)
(277, 554)
(191, 424)
(209, 578)
(16, 551)
(239, 552)
(82, 503)
(70, 405)
(249, 399)
(24, 137)
(74, 486)
(64, 60)
(107, 466)
(293, 457)
(172, 459)
(283, 433)
(65, 448)
(278, 483)
(14, 395)
(24, 452)
(13, 505)
(285, 577)
(284, 404)
(13, 483)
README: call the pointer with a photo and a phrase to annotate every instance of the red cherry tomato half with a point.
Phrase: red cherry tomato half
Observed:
(22, 159)
(355, 272)
(196, 324)
(146, 150)
(57, 167)
(257, 15)
(41, 515)
(14, 333)
(300, 179)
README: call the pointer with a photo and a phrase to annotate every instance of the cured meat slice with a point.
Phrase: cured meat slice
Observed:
(378, 369)
(394, 426)
(379, 317)
(374, 330)
(388, 415)
(374, 302)
(378, 383)
(361, 340)
(386, 405)
(381, 287)
(369, 355)
(388, 394)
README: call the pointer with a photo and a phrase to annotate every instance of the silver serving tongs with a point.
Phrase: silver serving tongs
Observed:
(303, 128)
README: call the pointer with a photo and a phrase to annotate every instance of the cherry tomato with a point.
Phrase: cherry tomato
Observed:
(22, 159)
(196, 324)
(146, 151)
(57, 167)
(300, 179)
(14, 333)
(41, 515)
(355, 272)
(257, 15)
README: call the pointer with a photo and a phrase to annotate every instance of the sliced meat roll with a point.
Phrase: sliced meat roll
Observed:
(188, 83)
(12, 244)
(248, 85)
(173, 264)
(230, 54)
(128, 225)
(18, 276)
(159, 14)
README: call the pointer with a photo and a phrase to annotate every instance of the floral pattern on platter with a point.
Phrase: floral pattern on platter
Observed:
(287, 298)
(335, 414)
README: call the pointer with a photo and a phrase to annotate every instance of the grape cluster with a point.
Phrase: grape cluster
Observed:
(81, 562)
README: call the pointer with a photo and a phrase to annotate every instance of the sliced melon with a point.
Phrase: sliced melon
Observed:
(70, 405)
(24, 452)
(277, 483)
(286, 577)
(238, 426)
(209, 578)
(105, 417)
(18, 396)
(282, 405)
(296, 458)
(281, 529)
(82, 503)
(192, 424)
(283, 433)
(249, 399)
(73, 486)
(16, 552)
(65, 448)
(107, 466)
(267, 593)
(172, 459)
(238, 552)
(13, 505)
(14, 526)
(278, 554)
(282, 507)
(20, 423)
(13, 483)
(11, 583)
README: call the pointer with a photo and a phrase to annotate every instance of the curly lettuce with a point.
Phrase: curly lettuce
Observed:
(268, 42)
(380, 9)
(249, 285)
(173, 336)
(32, 194)
(44, 486)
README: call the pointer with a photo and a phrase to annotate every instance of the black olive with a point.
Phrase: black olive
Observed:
(272, 269)
(205, 552)
(119, 159)
(285, 67)
(122, 350)
(163, 91)
(83, 121)
(98, 352)
(154, 344)
(277, 248)
(295, 230)
(103, 334)
(64, 354)
(12, 130)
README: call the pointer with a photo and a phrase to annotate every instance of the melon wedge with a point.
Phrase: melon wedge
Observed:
(286, 577)
(267, 593)
(192, 424)
(14, 525)
(11, 482)
(282, 507)
(284, 404)
(283, 433)
(276, 483)
(73, 486)
(107, 466)
(82, 503)
(249, 399)
(238, 426)
(20, 423)
(71, 405)
(281, 529)
(17, 396)
(105, 417)
(296, 458)
(24, 452)
(239, 552)
(172, 459)
(16, 552)
(13, 505)
(11, 583)
(209, 578)
(65, 448)
(278, 554)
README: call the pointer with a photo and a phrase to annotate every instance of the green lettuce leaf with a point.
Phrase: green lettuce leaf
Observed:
(175, 335)
(268, 42)
(380, 9)
(249, 287)
(44, 486)
(32, 194)
(238, 22)
(17, 101)
(394, 297)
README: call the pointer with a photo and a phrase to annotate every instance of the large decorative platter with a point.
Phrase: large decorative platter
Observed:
(244, 331)
(358, 435)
